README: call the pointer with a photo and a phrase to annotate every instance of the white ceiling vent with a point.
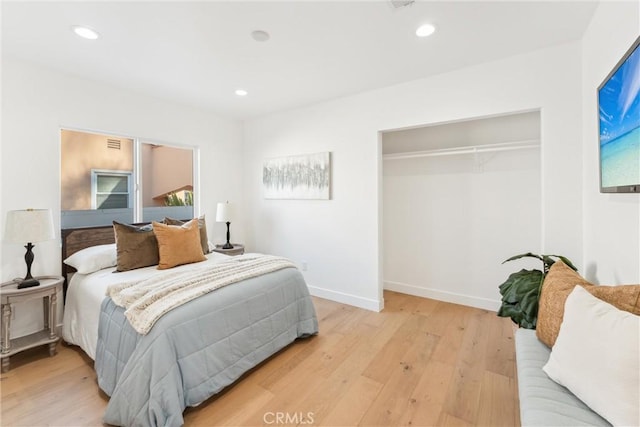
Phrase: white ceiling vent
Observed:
(113, 143)
(397, 4)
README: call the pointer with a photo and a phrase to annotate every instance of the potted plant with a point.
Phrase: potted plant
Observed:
(521, 292)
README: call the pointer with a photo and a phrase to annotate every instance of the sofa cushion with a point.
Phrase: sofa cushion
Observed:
(557, 286)
(544, 402)
(597, 357)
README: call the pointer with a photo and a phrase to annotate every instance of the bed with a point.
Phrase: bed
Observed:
(190, 353)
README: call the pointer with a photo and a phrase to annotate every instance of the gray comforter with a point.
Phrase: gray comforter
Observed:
(196, 350)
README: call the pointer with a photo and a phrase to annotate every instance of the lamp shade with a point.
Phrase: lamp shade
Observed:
(224, 212)
(29, 226)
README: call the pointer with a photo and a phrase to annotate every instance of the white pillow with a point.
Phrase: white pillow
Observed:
(93, 258)
(597, 357)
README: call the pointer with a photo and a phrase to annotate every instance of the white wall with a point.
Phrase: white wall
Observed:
(37, 102)
(611, 221)
(339, 239)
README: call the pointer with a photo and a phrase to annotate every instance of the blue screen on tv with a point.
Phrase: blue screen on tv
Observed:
(619, 105)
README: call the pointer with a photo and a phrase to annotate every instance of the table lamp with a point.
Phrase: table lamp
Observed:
(29, 226)
(224, 214)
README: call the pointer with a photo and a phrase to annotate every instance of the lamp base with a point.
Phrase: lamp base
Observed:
(28, 283)
(228, 245)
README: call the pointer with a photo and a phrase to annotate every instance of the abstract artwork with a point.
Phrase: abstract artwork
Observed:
(297, 177)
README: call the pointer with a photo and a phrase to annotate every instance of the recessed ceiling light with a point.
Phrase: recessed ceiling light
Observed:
(425, 30)
(260, 36)
(241, 92)
(85, 32)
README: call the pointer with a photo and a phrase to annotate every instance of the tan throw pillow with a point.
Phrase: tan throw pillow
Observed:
(136, 247)
(202, 226)
(557, 286)
(178, 244)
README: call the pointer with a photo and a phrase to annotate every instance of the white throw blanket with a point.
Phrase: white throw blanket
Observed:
(147, 300)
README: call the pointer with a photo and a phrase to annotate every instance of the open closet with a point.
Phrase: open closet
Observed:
(458, 199)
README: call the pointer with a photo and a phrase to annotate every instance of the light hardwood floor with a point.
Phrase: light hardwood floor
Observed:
(420, 362)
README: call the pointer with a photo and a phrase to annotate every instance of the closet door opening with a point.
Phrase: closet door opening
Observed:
(458, 199)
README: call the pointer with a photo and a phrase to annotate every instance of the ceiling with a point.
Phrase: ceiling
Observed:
(199, 53)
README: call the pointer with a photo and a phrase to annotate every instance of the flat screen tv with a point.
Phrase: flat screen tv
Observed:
(619, 110)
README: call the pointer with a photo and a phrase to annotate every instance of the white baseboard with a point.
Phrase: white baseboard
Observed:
(440, 295)
(356, 301)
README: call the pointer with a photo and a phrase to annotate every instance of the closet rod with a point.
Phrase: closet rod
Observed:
(472, 149)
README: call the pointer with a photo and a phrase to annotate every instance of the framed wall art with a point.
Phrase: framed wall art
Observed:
(306, 176)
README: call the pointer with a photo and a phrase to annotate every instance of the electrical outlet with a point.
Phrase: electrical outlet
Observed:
(304, 265)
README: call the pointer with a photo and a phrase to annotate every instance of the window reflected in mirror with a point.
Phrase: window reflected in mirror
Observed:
(101, 182)
(167, 184)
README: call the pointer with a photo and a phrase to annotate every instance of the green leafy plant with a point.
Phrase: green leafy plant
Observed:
(521, 292)
(172, 199)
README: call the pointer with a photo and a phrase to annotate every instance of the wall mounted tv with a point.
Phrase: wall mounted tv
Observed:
(619, 110)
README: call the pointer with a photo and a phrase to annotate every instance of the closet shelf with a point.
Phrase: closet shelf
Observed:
(471, 149)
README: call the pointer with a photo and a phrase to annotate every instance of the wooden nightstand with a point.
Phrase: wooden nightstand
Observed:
(236, 250)
(10, 294)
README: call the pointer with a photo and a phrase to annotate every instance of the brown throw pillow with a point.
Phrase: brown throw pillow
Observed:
(178, 244)
(136, 247)
(202, 226)
(557, 286)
